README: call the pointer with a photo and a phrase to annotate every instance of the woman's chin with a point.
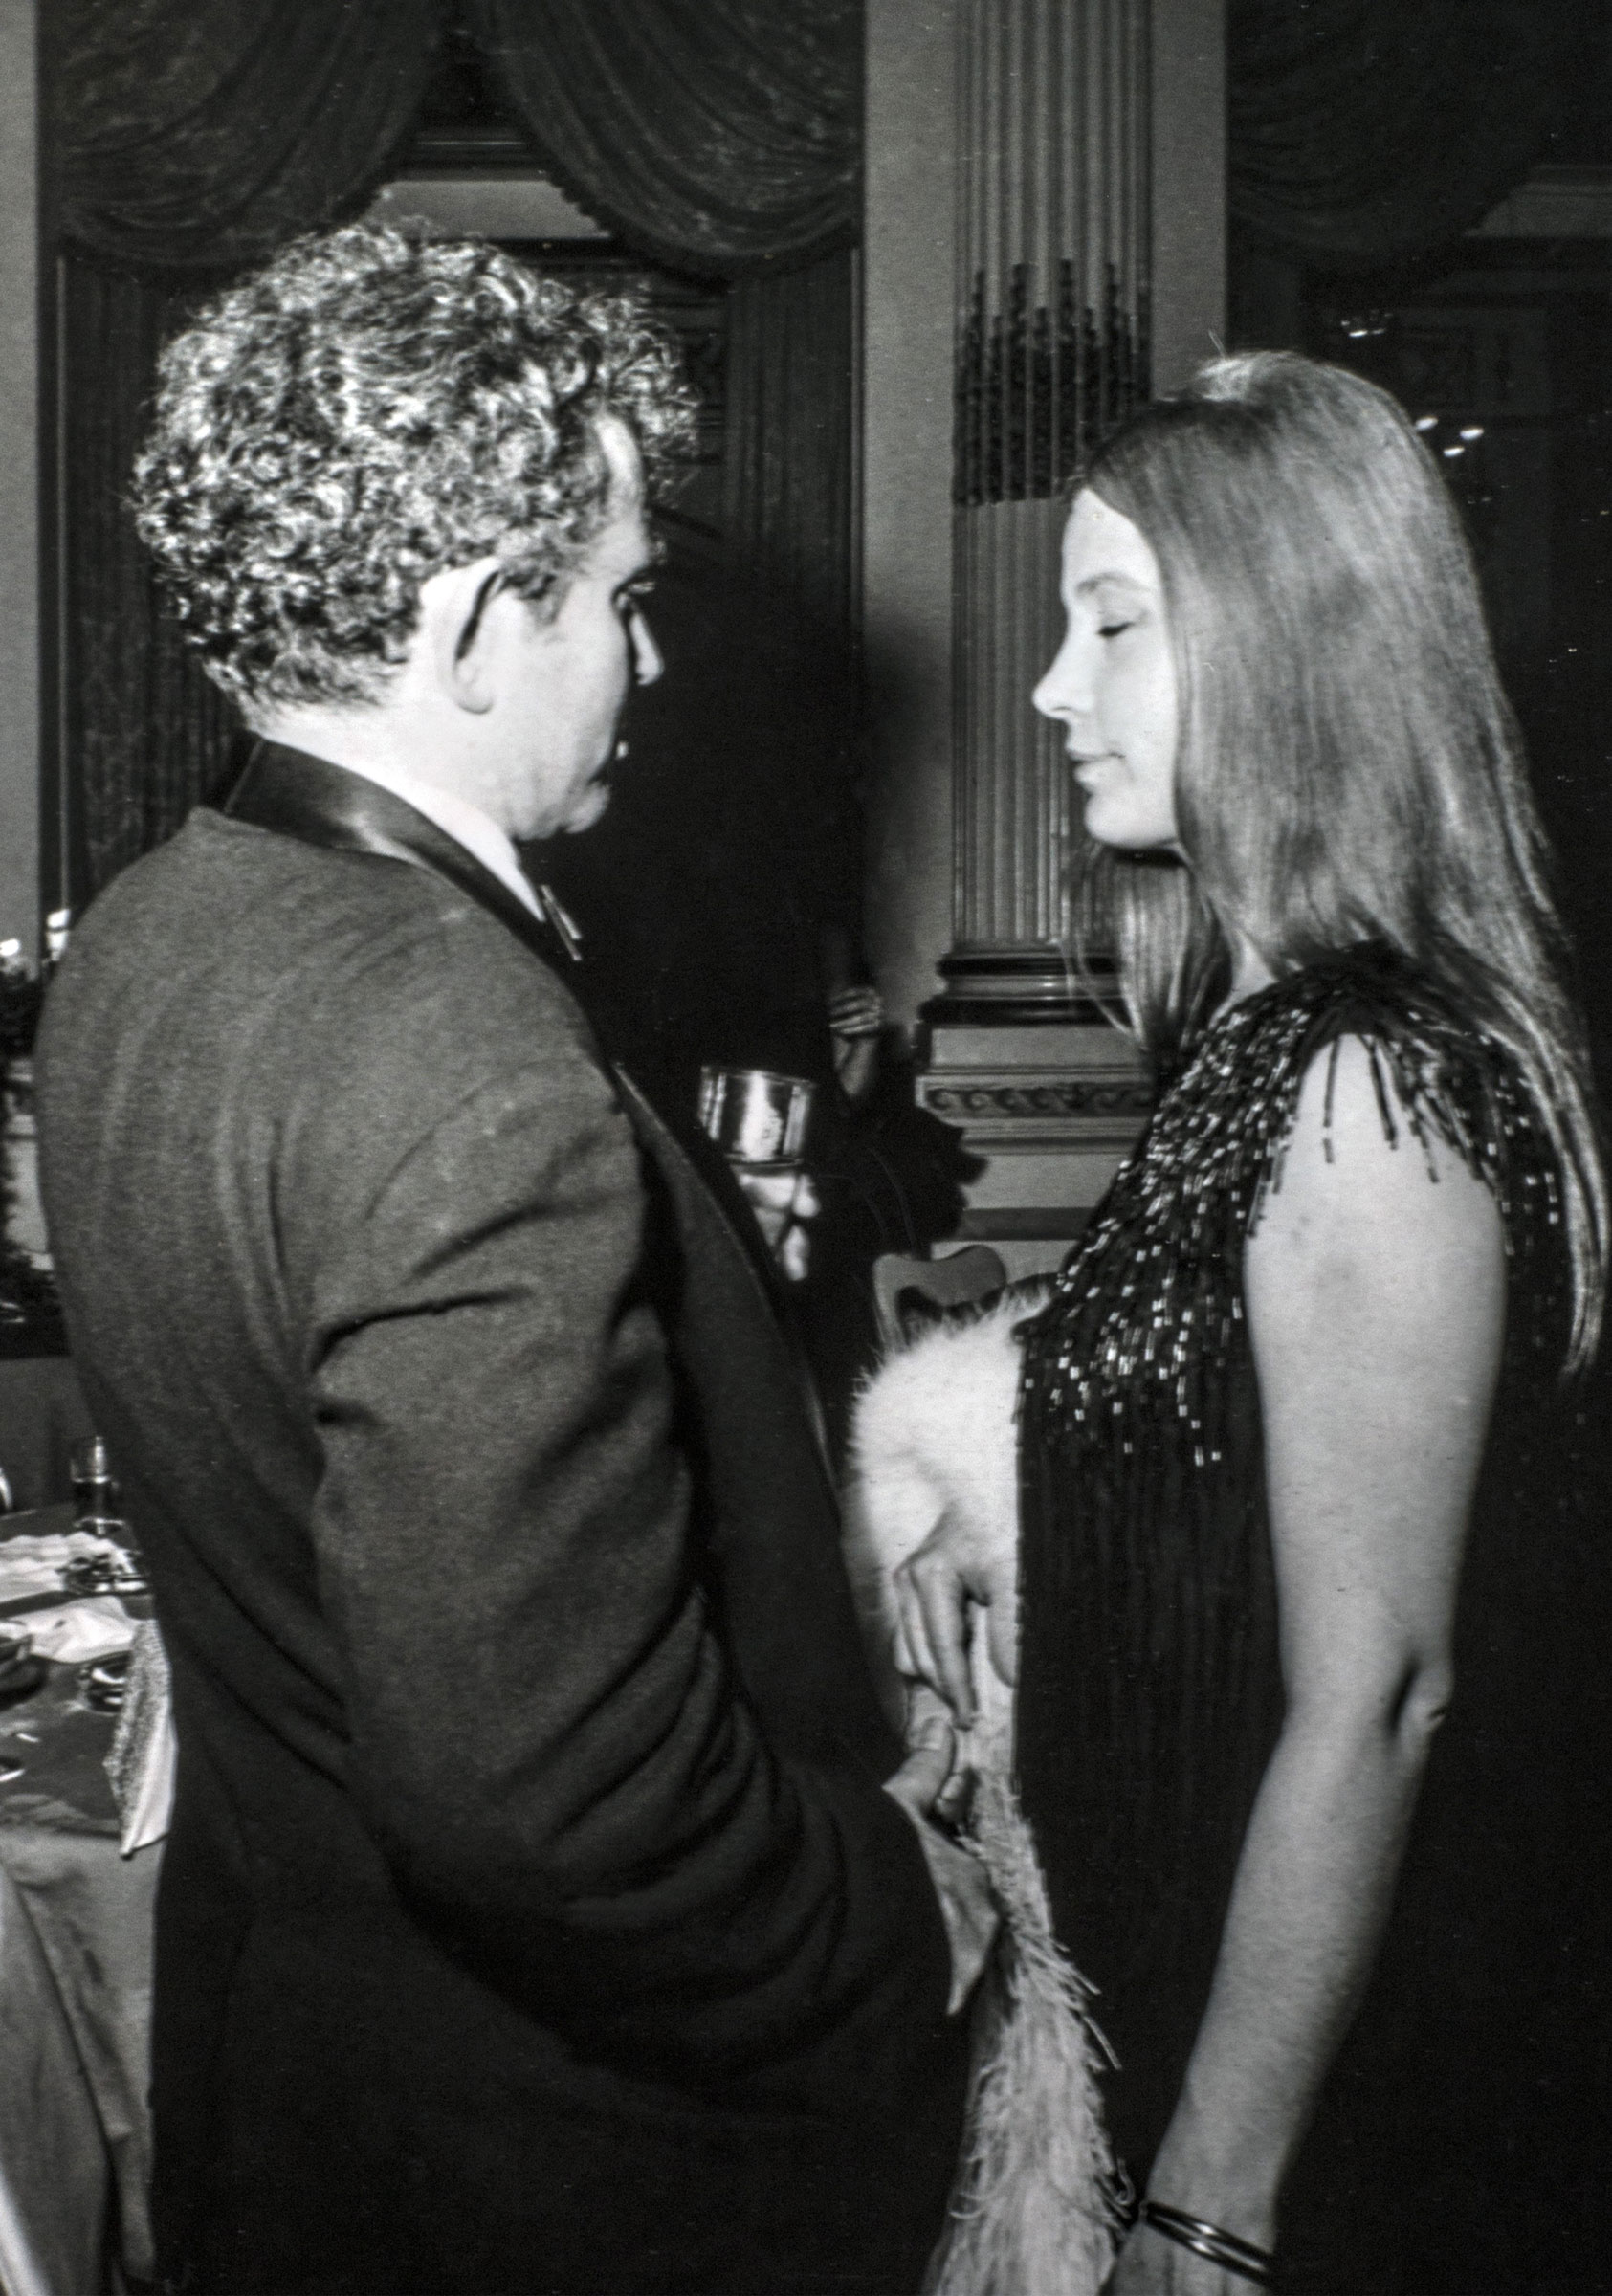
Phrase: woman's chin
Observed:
(1111, 823)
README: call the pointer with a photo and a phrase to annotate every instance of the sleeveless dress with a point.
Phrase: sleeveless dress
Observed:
(1456, 2141)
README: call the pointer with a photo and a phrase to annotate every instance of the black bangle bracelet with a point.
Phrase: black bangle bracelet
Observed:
(1209, 2242)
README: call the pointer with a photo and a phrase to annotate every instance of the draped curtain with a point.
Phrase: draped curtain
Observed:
(205, 132)
(1362, 131)
(193, 137)
(188, 138)
(145, 733)
(790, 436)
(723, 136)
(719, 136)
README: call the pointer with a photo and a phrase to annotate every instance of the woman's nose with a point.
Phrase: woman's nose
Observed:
(1063, 690)
(647, 662)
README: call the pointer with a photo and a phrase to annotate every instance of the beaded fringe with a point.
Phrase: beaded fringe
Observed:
(1126, 1358)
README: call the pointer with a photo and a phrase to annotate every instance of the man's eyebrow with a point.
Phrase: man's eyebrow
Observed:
(645, 567)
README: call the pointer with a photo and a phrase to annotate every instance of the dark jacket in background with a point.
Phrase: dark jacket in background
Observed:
(532, 1918)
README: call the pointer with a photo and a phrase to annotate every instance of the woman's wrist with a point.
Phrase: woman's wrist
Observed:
(1245, 2260)
(1239, 2194)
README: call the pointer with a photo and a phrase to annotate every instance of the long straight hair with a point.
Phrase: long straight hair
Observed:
(1348, 769)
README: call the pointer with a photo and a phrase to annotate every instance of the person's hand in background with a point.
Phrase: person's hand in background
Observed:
(783, 1203)
(855, 1020)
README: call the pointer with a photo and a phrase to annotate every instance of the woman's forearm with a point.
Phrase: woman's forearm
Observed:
(1314, 1887)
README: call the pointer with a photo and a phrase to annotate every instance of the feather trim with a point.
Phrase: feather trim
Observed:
(1032, 2212)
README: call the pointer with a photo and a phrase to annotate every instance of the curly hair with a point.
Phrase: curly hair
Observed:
(365, 412)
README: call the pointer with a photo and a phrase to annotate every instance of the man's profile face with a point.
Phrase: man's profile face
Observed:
(576, 669)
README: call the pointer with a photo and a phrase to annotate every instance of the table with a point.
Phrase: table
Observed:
(75, 1926)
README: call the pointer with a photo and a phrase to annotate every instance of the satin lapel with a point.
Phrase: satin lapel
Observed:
(305, 797)
(320, 803)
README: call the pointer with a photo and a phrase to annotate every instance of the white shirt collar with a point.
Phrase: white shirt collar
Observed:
(466, 823)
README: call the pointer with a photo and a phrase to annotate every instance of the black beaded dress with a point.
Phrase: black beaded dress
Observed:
(1455, 2137)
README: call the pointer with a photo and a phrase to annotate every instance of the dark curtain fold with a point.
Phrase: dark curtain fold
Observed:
(789, 449)
(715, 134)
(145, 734)
(1362, 131)
(721, 137)
(207, 132)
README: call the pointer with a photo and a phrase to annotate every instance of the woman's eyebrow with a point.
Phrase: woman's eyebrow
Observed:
(1096, 582)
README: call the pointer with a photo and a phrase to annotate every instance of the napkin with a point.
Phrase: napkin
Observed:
(141, 1764)
(76, 1634)
(33, 1563)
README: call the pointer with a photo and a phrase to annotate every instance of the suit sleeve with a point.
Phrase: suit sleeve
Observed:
(545, 1737)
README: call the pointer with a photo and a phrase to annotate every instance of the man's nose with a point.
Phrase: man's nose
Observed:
(647, 662)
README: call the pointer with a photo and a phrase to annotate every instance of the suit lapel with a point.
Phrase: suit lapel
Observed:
(325, 805)
(295, 795)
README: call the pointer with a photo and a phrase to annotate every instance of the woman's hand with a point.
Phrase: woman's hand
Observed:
(1150, 2265)
(960, 1566)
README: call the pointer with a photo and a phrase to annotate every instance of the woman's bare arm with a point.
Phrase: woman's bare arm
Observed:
(1375, 1301)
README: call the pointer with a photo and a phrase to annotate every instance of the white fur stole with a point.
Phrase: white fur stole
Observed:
(1030, 2213)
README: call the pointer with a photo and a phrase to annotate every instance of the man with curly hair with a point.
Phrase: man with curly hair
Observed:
(544, 1910)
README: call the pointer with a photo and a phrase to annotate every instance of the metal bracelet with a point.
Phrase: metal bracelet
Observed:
(1209, 2242)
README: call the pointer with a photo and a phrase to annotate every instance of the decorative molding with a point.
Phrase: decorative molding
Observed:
(1554, 202)
(963, 1102)
(1037, 392)
(1028, 1089)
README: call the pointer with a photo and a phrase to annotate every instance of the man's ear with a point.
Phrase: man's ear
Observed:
(453, 606)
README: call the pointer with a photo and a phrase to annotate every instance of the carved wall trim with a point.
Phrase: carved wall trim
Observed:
(969, 1102)
(1037, 392)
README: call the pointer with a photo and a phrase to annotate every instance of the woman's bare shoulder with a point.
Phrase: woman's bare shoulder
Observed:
(1376, 1241)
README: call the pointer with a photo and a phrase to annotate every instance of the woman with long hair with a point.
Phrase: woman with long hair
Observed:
(1286, 1414)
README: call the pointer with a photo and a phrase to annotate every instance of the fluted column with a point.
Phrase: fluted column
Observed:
(1053, 317)
(1046, 217)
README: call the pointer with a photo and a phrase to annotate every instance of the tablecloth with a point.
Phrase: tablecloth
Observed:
(75, 1928)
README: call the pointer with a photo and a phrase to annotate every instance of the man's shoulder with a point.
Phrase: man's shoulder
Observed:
(226, 897)
(347, 969)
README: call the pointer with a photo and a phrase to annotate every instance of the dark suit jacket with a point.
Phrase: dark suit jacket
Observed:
(532, 1917)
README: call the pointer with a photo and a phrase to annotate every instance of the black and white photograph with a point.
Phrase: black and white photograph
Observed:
(805, 1020)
